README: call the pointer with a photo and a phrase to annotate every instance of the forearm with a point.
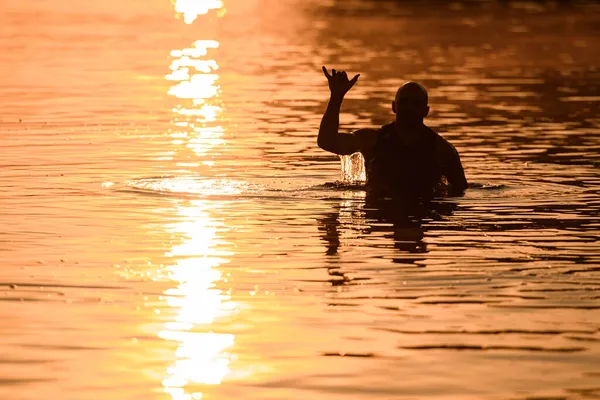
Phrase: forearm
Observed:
(330, 123)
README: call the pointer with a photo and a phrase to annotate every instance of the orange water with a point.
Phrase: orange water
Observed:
(172, 231)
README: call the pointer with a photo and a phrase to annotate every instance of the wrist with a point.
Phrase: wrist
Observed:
(337, 97)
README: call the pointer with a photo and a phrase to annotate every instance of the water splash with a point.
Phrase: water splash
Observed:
(353, 168)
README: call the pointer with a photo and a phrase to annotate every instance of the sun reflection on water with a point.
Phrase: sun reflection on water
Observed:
(204, 351)
(196, 87)
(202, 356)
(191, 9)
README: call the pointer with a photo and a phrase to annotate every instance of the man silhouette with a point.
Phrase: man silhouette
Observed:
(404, 157)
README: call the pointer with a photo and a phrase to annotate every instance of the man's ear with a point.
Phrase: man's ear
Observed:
(426, 112)
(394, 106)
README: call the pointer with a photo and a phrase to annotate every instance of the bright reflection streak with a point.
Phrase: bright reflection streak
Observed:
(201, 356)
(197, 88)
(206, 111)
(191, 9)
(200, 65)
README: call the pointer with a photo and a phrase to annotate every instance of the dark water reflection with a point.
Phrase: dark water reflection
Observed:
(171, 229)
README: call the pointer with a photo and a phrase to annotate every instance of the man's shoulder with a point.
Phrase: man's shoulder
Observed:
(367, 138)
(443, 147)
(366, 131)
(374, 133)
(434, 134)
(439, 138)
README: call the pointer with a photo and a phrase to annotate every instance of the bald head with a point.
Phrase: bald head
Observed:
(410, 104)
(412, 91)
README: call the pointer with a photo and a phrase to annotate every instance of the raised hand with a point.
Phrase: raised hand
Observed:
(339, 84)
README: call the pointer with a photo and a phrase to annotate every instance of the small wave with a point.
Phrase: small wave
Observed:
(489, 331)
(493, 347)
(191, 185)
(522, 191)
(17, 285)
(338, 185)
(342, 354)
(264, 187)
(487, 186)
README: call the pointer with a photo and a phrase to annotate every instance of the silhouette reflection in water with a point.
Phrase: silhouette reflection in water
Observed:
(403, 220)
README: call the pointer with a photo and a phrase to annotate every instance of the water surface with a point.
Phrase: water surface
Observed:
(172, 231)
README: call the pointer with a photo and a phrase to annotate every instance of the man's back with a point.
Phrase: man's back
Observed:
(420, 167)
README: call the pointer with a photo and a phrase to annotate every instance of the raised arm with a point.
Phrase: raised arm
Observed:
(329, 138)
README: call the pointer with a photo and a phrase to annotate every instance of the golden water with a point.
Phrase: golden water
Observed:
(172, 231)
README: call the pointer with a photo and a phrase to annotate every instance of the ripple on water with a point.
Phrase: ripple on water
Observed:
(491, 295)
(201, 187)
